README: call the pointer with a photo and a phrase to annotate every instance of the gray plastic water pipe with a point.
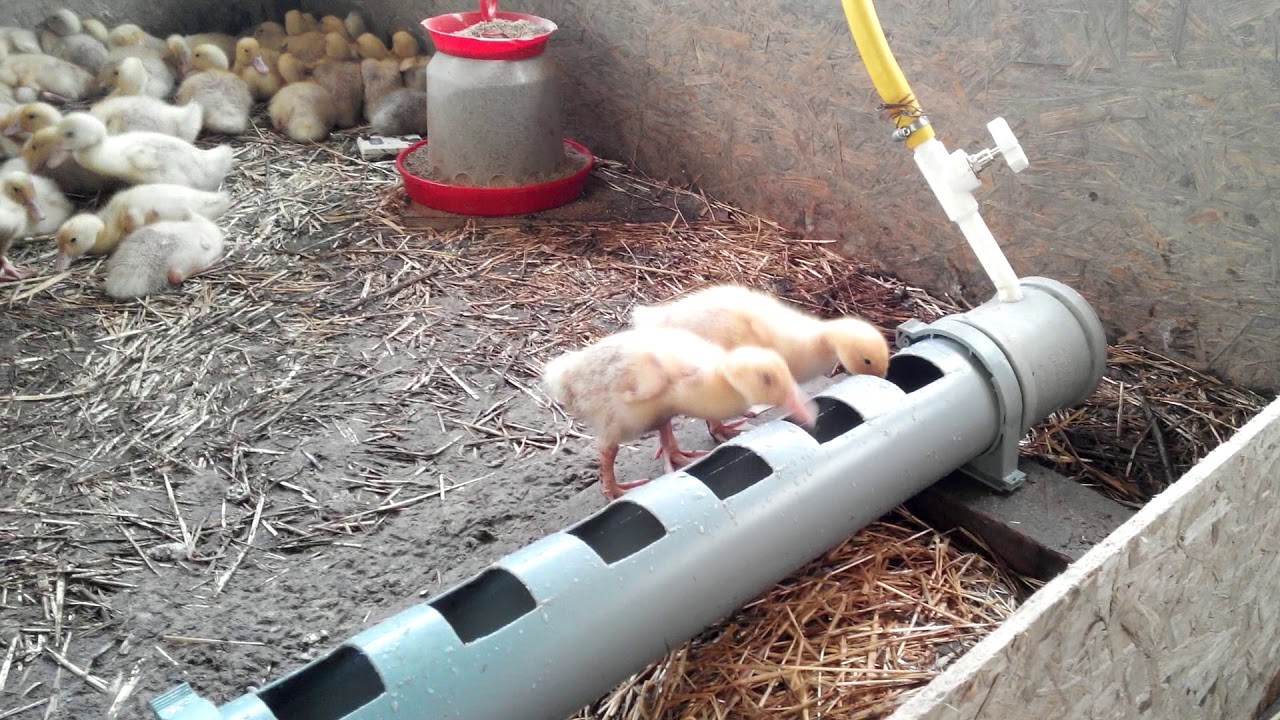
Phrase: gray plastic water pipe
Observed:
(555, 625)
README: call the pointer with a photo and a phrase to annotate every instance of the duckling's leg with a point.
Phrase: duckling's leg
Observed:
(669, 449)
(9, 271)
(609, 484)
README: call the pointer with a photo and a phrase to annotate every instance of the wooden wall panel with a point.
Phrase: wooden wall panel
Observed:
(1172, 616)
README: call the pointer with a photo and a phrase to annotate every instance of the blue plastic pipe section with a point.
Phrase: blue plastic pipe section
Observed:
(555, 625)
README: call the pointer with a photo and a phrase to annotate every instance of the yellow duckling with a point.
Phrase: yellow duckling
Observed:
(302, 110)
(341, 76)
(381, 78)
(259, 68)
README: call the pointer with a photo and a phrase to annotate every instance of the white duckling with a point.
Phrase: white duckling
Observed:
(355, 24)
(47, 208)
(635, 381)
(140, 157)
(130, 35)
(160, 254)
(303, 110)
(99, 234)
(156, 78)
(63, 36)
(129, 79)
(142, 112)
(71, 176)
(13, 225)
(734, 316)
(18, 40)
(221, 94)
(47, 75)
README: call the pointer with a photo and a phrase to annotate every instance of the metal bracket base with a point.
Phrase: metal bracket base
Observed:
(997, 467)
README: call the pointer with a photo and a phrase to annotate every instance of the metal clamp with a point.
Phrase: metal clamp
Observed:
(916, 125)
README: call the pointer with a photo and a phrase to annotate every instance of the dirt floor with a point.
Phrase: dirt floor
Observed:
(220, 483)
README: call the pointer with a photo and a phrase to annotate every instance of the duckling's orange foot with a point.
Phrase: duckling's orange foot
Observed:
(616, 490)
(725, 431)
(9, 271)
(676, 458)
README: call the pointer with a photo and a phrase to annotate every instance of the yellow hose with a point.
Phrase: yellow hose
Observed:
(883, 68)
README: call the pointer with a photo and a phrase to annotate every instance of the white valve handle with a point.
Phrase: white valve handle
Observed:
(1007, 145)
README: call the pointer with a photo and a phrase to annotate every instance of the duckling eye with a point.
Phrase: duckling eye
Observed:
(866, 361)
(766, 379)
(31, 116)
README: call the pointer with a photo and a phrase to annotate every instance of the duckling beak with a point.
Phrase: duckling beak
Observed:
(260, 65)
(804, 411)
(57, 157)
(13, 129)
(62, 262)
(33, 210)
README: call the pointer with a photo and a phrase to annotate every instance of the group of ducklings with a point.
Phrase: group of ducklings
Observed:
(315, 75)
(712, 355)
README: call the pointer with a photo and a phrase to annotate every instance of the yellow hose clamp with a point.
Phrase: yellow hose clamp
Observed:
(906, 131)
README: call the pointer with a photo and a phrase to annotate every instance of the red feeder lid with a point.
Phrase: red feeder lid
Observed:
(441, 28)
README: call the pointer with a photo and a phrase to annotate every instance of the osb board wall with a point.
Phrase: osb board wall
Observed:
(1172, 616)
(159, 17)
(1148, 124)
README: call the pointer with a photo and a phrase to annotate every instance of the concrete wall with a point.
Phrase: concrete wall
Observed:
(1154, 169)
(159, 17)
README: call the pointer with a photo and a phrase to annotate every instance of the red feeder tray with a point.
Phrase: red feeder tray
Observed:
(442, 27)
(495, 201)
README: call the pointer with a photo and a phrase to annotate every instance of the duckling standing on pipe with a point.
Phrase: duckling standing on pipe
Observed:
(733, 316)
(636, 380)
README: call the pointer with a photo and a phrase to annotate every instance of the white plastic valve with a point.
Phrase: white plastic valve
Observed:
(1007, 145)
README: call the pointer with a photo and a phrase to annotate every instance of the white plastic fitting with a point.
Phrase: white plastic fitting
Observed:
(953, 178)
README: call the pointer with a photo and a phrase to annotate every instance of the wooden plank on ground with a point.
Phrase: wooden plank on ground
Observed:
(1037, 530)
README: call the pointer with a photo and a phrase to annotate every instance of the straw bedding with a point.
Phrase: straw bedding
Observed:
(339, 378)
